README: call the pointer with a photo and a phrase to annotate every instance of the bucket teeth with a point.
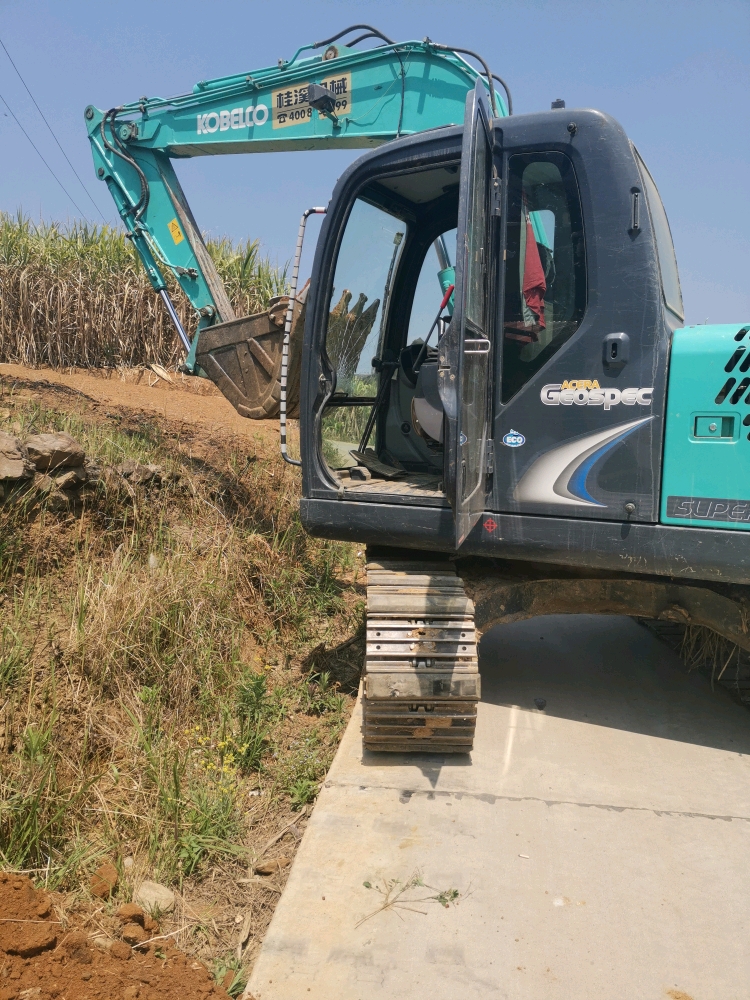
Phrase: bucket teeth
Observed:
(421, 683)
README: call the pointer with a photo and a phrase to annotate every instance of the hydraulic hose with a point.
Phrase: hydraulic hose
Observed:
(362, 38)
(109, 118)
(479, 59)
(505, 87)
(355, 27)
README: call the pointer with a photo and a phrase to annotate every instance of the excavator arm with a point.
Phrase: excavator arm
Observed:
(342, 97)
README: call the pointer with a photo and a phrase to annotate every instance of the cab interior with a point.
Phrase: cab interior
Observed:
(382, 427)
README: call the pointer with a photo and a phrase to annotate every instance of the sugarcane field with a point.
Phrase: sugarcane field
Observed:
(374, 567)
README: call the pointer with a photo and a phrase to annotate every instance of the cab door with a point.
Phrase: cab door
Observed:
(464, 355)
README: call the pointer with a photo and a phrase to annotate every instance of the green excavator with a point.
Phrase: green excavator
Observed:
(534, 432)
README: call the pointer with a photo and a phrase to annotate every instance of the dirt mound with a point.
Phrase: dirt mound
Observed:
(45, 957)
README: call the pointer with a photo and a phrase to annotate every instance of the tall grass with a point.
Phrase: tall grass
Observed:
(78, 296)
(150, 652)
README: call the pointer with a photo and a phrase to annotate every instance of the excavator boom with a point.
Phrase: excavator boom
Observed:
(342, 97)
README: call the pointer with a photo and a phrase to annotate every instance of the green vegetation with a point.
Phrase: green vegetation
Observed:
(157, 673)
(78, 295)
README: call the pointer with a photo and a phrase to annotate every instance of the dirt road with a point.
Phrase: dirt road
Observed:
(189, 399)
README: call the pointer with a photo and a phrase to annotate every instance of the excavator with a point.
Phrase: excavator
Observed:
(536, 433)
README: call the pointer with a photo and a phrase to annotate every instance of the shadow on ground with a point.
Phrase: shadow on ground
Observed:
(608, 671)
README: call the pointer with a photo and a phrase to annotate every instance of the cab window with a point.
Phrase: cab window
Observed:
(545, 266)
(670, 278)
(367, 263)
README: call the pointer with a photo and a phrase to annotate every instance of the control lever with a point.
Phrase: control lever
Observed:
(443, 304)
(385, 368)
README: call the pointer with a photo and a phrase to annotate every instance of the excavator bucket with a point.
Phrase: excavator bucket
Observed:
(243, 358)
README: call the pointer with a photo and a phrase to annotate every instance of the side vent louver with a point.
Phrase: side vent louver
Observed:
(730, 365)
(730, 383)
(725, 390)
(737, 394)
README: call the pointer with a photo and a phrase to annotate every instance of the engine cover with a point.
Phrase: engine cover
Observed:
(706, 470)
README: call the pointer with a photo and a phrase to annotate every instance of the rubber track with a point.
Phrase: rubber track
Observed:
(421, 682)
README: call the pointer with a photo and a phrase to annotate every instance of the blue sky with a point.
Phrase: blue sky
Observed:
(677, 75)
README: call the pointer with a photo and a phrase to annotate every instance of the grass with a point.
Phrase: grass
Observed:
(78, 295)
(166, 688)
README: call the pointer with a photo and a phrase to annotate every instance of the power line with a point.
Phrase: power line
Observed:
(80, 211)
(86, 191)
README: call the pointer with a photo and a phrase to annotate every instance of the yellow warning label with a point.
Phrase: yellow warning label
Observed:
(174, 228)
(292, 107)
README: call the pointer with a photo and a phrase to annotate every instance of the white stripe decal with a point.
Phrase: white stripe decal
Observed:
(546, 481)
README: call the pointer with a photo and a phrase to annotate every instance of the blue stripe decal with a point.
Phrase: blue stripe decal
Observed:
(577, 482)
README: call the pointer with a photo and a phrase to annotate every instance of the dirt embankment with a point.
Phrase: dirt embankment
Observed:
(192, 631)
(185, 398)
(47, 954)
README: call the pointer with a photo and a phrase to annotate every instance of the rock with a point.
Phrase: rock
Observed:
(104, 881)
(130, 993)
(130, 913)
(72, 479)
(103, 943)
(140, 475)
(121, 950)
(93, 471)
(54, 451)
(13, 461)
(134, 934)
(154, 897)
(271, 867)
(44, 483)
(46, 486)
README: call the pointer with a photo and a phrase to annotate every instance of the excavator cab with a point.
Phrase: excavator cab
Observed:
(543, 394)
(401, 395)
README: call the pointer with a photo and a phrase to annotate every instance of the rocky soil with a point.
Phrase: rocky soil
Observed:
(47, 953)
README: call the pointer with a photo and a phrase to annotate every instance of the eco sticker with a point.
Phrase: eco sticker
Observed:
(174, 228)
(514, 439)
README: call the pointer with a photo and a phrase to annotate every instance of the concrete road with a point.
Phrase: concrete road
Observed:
(600, 846)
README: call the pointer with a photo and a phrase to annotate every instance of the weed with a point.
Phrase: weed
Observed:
(397, 895)
(322, 696)
(239, 979)
(35, 742)
(13, 655)
(252, 701)
(302, 791)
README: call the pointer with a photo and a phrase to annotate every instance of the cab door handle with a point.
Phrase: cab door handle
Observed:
(615, 351)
